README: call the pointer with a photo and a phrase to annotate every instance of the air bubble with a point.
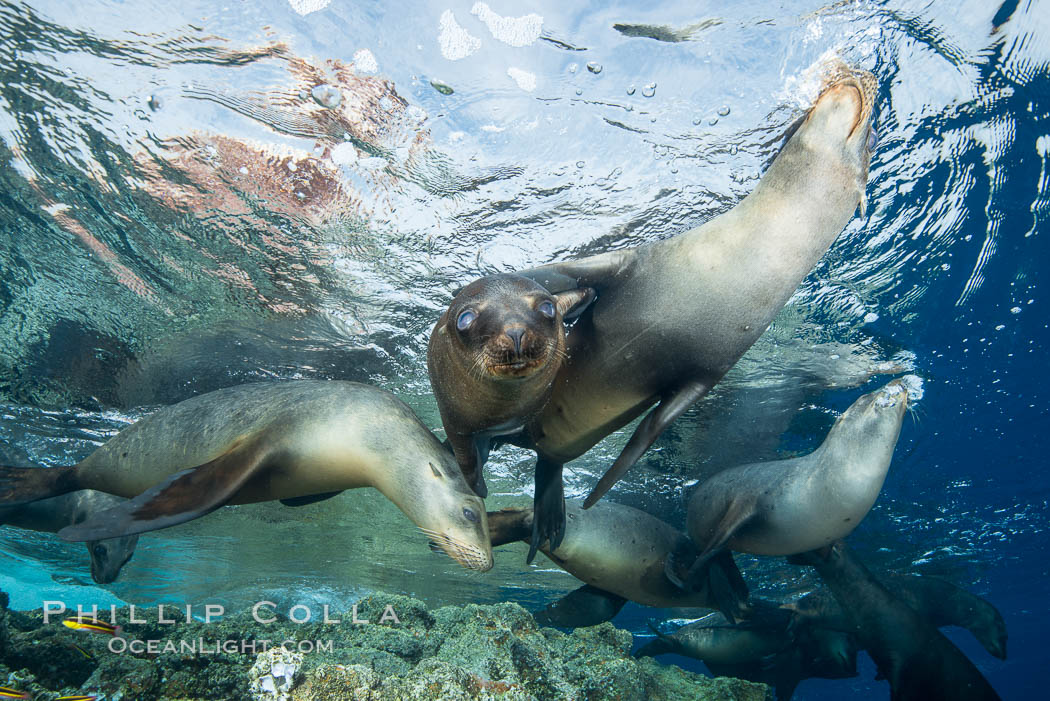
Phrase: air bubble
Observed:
(580, 164)
(579, 91)
(154, 103)
(594, 67)
(573, 67)
(630, 89)
(871, 317)
(326, 96)
(713, 121)
(649, 90)
(723, 111)
(1015, 310)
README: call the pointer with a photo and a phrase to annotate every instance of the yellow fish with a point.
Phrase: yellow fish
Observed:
(9, 693)
(90, 625)
(76, 698)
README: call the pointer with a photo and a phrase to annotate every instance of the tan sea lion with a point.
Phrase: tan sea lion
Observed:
(492, 358)
(940, 602)
(783, 507)
(917, 660)
(619, 551)
(299, 442)
(108, 556)
(672, 317)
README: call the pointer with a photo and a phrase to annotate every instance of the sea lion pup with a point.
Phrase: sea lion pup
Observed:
(619, 551)
(764, 649)
(672, 317)
(299, 442)
(917, 660)
(108, 556)
(941, 603)
(783, 507)
(492, 358)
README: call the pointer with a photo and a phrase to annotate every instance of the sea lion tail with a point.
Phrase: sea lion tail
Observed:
(20, 485)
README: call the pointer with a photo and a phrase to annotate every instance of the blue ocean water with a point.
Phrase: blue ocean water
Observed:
(184, 206)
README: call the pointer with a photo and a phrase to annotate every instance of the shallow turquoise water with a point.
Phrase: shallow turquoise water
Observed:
(184, 209)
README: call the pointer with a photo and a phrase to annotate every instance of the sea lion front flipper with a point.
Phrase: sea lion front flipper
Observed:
(727, 586)
(586, 606)
(184, 496)
(572, 303)
(669, 409)
(591, 271)
(548, 508)
(310, 498)
(509, 525)
(736, 514)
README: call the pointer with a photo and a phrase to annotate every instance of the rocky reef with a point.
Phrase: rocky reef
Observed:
(403, 652)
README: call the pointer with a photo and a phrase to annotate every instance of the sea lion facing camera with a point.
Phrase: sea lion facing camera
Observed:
(108, 556)
(917, 660)
(492, 358)
(783, 507)
(619, 551)
(672, 317)
(298, 441)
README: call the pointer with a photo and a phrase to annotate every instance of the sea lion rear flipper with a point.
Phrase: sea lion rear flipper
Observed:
(669, 409)
(184, 496)
(310, 498)
(586, 606)
(548, 508)
(20, 485)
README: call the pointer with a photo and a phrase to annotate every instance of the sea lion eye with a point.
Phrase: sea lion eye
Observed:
(99, 551)
(465, 319)
(470, 515)
(547, 309)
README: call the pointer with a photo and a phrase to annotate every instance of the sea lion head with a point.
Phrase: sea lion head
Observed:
(108, 556)
(455, 518)
(840, 120)
(989, 628)
(875, 418)
(508, 326)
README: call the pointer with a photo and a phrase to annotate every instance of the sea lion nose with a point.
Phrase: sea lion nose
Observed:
(515, 334)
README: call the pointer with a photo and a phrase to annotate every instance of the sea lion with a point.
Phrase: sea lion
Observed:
(299, 442)
(916, 659)
(619, 551)
(764, 649)
(672, 317)
(492, 358)
(941, 603)
(783, 507)
(108, 556)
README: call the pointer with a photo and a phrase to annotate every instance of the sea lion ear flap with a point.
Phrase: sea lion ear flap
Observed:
(572, 303)
(436, 470)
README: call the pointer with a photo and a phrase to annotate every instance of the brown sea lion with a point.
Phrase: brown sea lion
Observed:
(672, 317)
(492, 358)
(298, 442)
(917, 660)
(783, 507)
(941, 603)
(619, 551)
(108, 556)
(764, 649)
